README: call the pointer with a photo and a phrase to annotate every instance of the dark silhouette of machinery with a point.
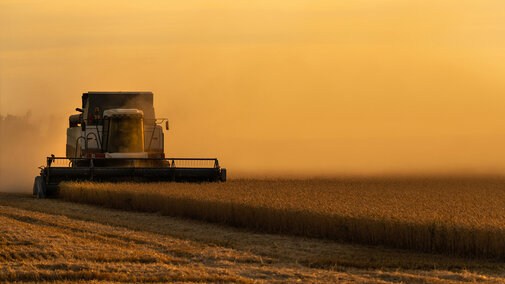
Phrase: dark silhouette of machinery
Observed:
(116, 137)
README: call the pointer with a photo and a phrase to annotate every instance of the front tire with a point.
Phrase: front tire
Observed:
(222, 175)
(39, 188)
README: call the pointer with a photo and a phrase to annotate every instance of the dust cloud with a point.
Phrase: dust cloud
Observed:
(272, 87)
(25, 142)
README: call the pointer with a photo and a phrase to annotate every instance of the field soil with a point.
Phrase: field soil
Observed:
(54, 240)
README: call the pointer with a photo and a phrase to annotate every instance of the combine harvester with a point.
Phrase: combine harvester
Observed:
(115, 138)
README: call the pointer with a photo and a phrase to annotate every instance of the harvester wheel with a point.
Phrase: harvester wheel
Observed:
(39, 188)
(35, 189)
(222, 177)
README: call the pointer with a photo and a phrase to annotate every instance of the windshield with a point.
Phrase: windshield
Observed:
(126, 135)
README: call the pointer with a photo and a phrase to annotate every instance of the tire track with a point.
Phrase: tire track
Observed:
(89, 236)
(159, 245)
(64, 263)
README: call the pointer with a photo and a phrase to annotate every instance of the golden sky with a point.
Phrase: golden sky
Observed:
(282, 86)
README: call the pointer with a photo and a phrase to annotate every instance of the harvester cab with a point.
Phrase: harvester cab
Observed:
(116, 137)
(123, 134)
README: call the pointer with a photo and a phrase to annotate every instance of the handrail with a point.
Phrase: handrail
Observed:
(92, 161)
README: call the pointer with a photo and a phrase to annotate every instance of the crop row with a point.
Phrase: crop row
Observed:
(454, 215)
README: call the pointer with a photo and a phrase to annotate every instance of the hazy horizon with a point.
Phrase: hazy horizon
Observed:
(298, 87)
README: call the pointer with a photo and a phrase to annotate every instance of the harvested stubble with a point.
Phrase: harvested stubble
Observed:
(456, 215)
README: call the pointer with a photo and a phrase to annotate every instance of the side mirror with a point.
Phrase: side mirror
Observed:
(166, 125)
(83, 126)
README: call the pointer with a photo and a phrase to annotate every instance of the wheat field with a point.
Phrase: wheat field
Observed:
(454, 215)
(51, 240)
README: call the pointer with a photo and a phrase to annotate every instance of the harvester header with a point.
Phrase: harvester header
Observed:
(116, 137)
